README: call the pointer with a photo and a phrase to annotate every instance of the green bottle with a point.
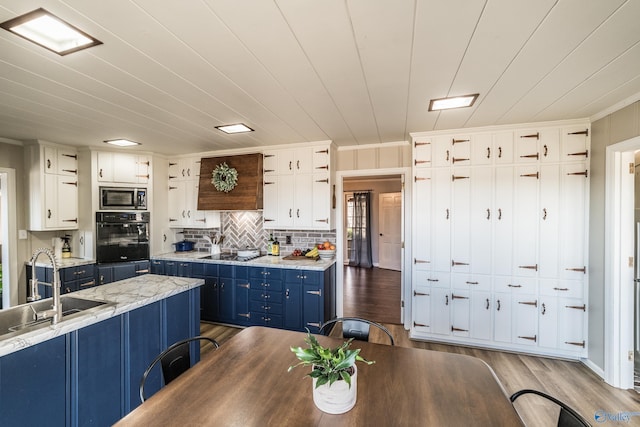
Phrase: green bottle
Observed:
(270, 244)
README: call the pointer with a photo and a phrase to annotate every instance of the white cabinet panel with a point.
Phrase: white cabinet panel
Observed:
(460, 313)
(572, 236)
(422, 152)
(422, 220)
(321, 193)
(525, 308)
(503, 214)
(441, 151)
(441, 220)
(525, 231)
(440, 311)
(575, 143)
(460, 219)
(480, 306)
(482, 152)
(461, 150)
(503, 147)
(421, 309)
(549, 220)
(482, 216)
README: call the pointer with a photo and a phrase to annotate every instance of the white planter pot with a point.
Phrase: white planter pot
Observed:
(337, 398)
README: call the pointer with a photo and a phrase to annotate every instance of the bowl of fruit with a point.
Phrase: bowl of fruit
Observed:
(326, 250)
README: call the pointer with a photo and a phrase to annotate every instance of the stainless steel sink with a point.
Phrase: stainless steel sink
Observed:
(22, 318)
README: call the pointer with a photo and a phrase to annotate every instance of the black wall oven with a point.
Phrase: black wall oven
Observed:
(122, 236)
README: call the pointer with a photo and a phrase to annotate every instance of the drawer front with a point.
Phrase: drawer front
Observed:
(268, 319)
(266, 273)
(265, 307)
(262, 295)
(271, 285)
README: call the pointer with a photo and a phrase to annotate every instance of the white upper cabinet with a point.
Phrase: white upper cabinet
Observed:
(298, 188)
(184, 183)
(123, 168)
(52, 187)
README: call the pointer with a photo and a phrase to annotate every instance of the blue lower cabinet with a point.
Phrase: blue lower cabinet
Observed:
(33, 385)
(171, 268)
(209, 294)
(178, 322)
(292, 307)
(157, 266)
(144, 344)
(242, 314)
(126, 270)
(98, 394)
(104, 275)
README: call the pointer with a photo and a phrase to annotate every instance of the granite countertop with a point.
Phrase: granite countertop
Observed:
(43, 261)
(126, 295)
(263, 261)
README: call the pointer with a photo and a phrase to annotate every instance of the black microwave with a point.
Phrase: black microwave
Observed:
(123, 198)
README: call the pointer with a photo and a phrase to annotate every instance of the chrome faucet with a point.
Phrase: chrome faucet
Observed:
(56, 309)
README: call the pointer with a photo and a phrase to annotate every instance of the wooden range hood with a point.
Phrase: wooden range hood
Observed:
(247, 195)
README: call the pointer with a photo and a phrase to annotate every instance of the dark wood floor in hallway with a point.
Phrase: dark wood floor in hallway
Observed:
(372, 293)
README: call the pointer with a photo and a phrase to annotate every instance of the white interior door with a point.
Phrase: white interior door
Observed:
(390, 242)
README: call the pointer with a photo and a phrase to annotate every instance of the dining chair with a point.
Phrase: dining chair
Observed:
(175, 360)
(357, 328)
(567, 417)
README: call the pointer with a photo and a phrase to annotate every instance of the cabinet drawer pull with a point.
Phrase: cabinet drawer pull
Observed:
(73, 156)
(143, 176)
(420, 261)
(560, 289)
(582, 307)
(531, 303)
(419, 178)
(247, 315)
(326, 167)
(580, 132)
(454, 296)
(91, 283)
(419, 162)
(498, 305)
(578, 344)
(268, 220)
(244, 285)
(471, 283)
(488, 214)
(73, 171)
(314, 293)
(454, 329)
(514, 286)
(529, 267)
(582, 270)
(582, 153)
(326, 180)
(269, 155)
(326, 220)
(454, 263)
(453, 159)
(488, 152)
(531, 175)
(142, 271)
(419, 144)
(487, 306)
(433, 280)
(533, 135)
(585, 173)
(457, 177)
(544, 308)
(545, 150)
(71, 220)
(533, 338)
(314, 324)
(268, 171)
(422, 325)
(419, 294)
(74, 183)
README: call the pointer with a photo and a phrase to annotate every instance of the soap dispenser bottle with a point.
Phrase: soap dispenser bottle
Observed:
(270, 244)
(66, 248)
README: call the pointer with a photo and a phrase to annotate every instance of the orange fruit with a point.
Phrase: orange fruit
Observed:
(326, 245)
(332, 247)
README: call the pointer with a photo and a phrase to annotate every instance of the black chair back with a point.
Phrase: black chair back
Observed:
(567, 418)
(356, 327)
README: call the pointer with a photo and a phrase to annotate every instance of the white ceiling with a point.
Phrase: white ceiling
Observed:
(351, 71)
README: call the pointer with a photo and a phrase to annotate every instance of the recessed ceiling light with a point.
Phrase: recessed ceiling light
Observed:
(121, 142)
(50, 32)
(237, 128)
(452, 102)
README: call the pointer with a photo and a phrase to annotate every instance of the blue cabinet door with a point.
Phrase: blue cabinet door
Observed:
(99, 390)
(184, 269)
(171, 268)
(105, 275)
(242, 315)
(157, 266)
(143, 345)
(123, 271)
(209, 295)
(293, 307)
(33, 386)
(226, 301)
(178, 323)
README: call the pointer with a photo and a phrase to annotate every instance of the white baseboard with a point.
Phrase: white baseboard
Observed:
(595, 368)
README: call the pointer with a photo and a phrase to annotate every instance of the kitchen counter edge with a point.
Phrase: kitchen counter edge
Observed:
(263, 261)
(127, 295)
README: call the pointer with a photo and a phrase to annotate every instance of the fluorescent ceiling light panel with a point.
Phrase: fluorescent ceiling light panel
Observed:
(452, 102)
(122, 142)
(237, 128)
(50, 32)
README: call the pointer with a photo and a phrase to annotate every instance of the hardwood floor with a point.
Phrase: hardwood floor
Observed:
(372, 293)
(571, 382)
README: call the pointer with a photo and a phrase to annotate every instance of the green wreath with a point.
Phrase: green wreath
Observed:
(224, 178)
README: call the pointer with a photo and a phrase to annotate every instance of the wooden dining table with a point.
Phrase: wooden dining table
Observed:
(245, 383)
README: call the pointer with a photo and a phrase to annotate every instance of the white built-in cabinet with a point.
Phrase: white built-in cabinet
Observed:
(52, 186)
(500, 237)
(184, 181)
(298, 188)
(123, 168)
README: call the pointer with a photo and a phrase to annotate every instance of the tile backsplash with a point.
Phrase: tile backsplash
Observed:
(244, 229)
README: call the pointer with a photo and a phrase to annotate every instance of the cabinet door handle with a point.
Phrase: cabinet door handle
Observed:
(419, 162)
(488, 214)
(326, 167)
(297, 213)
(488, 152)
(290, 213)
(531, 175)
(325, 151)
(471, 283)
(290, 165)
(418, 144)
(560, 289)
(499, 214)
(75, 184)
(457, 141)
(487, 306)
(447, 158)
(544, 214)
(447, 214)
(529, 267)
(585, 173)
(454, 263)
(544, 309)
(456, 177)
(498, 305)
(73, 156)
(73, 171)
(298, 164)
(318, 293)
(499, 152)
(49, 213)
(446, 299)
(514, 286)
(48, 163)
(100, 173)
(546, 150)
(582, 153)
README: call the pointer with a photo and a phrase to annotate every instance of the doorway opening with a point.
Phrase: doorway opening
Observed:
(373, 291)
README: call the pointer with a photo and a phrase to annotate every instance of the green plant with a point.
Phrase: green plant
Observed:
(328, 365)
